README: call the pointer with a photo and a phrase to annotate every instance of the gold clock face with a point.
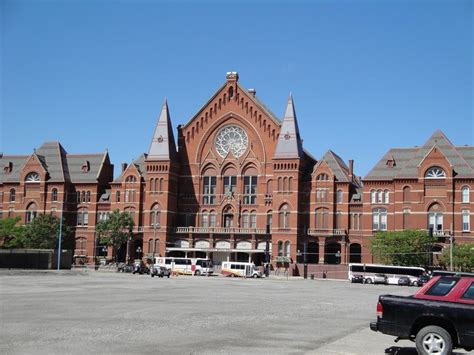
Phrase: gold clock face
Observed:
(231, 139)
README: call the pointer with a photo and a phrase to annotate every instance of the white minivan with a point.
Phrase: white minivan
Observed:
(179, 265)
(202, 267)
(234, 268)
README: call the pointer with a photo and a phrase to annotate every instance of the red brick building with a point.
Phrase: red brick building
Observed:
(238, 177)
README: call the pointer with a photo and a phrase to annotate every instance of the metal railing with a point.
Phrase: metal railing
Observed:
(326, 231)
(219, 230)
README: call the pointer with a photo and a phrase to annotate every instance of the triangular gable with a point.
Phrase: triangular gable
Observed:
(163, 146)
(289, 142)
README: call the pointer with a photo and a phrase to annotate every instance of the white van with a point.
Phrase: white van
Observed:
(234, 268)
(202, 267)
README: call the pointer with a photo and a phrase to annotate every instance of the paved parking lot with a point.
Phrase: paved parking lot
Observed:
(79, 312)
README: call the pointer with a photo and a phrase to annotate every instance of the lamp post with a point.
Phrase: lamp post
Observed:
(139, 250)
(338, 257)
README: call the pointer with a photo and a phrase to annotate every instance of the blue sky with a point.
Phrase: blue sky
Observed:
(365, 75)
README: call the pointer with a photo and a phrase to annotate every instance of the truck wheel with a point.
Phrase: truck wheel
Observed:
(368, 281)
(433, 340)
(254, 276)
(197, 273)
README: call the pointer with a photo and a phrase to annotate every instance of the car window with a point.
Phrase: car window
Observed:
(442, 287)
(469, 294)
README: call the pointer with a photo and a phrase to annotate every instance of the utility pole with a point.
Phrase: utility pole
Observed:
(60, 234)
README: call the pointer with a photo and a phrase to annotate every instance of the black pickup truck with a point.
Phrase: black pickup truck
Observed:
(439, 317)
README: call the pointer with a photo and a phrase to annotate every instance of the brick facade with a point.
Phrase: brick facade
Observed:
(239, 172)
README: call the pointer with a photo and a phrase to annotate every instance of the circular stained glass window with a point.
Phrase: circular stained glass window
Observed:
(231, 139)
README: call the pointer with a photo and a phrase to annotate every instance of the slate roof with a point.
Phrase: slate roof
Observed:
(61, 166)
(337, 165)
(163, 146)
(407, 160)
(289, 141)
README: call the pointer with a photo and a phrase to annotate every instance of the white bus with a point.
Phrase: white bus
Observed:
(234, 268)
(392, 272)
(186, 266)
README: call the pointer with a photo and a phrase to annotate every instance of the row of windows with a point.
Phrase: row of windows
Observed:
(249, 193)
(54, 195)
(379, 196)
(284, 249)
(83, 196)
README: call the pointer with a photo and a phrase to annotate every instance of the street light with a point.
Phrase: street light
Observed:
(338, 257)
(139, 250)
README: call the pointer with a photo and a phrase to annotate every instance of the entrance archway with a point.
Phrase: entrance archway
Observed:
(228, 217)
(332, 253)
(312, 253)
(355, 253)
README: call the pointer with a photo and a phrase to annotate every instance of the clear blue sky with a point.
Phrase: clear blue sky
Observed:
(365, 75)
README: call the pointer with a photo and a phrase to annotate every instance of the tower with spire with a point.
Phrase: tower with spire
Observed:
(161, 166)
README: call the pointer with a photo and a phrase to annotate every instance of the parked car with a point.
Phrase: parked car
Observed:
(140, 268)
(160, 271)
(380, 279)
(423, 279)
(404, 281)
(439, 317)
(357, 279)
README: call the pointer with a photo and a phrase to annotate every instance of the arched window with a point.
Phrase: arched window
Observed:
(83, 196)
(465, 194)
(339, 220)
(339, 196)
(280, 248)
(253, 219)
(284, 216)
(12, 195)
(82, 217)
(117, 196)
(406, 218)
(322, 177)
(245, 219)
(269, 220)
(379, 196)
(88, 197)
(287, 248)
(131, 178)
(466, 223)
(32, 177)
(379, 219)
(435, 172)
(54, 195)
(435, 218)
(290, 184)
(155, 216)
(212, 219)
(406, 194)
(31, 212)
(386, 196)
(205, 219)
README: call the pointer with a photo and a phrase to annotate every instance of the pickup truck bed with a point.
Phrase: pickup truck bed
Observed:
(406, 317)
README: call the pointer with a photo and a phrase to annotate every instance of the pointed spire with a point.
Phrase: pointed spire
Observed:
(289, 142)
(162, 145)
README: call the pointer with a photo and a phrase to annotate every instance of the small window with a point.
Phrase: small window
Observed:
(117, 196)
(339, 196)
(32, 177)
(442, 287)
(435, 173)
(12, 195)
(469, 294)
(54, 195)
(465, 194)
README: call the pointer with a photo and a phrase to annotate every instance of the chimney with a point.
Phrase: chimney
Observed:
(252, 92)
(124, 166)
(351, 167)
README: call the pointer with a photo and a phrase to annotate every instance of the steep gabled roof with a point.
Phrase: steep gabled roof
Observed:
(337, 165)
(289, 141)
(407, 160)
(163, 146)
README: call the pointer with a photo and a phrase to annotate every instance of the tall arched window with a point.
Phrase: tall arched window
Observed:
(280, 248)
(287, 248)
(245, 219)
(253, 219)
(31, 212)
(117, 196)
(205, 219)
(88, 197)
(12, 195)
(269, 220)
(406, 194)
(212, 219)
(379, 219)
(435, 217)
(465, 194)
(54, 195)
(155, 216)
(386, 196)
(82, 217)
(284, 216)
(373, 198)
(379, 196)
(339, 196)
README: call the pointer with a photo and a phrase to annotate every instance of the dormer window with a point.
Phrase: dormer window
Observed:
(32, 177)
(7, 169)
(86, 166)
(435, 173)
(390, 163)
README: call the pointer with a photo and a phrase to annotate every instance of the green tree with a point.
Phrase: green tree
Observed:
(10, 231)
(463, 257)
(115, 230)
(41, 233)
(407, 248)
